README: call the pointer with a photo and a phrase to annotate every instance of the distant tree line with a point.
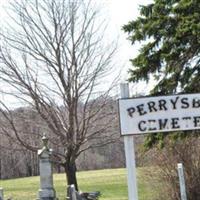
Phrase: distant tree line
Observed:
(17, 161)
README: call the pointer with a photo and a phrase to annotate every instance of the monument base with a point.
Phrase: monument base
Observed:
(47, 194)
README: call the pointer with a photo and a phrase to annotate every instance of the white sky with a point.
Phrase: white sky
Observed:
(119, 12)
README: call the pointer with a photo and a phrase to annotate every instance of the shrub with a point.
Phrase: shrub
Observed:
(186, 151)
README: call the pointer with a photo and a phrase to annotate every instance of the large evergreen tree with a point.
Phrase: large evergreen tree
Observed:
(170, 53)
(169, 34)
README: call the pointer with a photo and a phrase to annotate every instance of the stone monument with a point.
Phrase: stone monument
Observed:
(46, 191)
(1, 193)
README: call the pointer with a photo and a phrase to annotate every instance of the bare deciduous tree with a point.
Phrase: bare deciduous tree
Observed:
(52, 58)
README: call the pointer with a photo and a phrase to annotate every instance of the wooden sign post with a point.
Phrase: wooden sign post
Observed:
(130, 154)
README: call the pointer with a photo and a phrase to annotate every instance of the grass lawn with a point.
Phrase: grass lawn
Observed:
(111, 183)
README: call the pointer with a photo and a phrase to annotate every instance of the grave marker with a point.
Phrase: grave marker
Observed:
(1, 193)
(182, 181)
(46, 191)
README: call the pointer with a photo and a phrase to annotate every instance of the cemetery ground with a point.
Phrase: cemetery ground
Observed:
(110, 182)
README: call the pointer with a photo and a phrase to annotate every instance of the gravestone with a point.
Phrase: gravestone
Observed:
(46, 191)
(72, 194)
(1, 193)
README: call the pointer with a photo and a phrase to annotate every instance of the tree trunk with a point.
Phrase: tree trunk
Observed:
(0, 168)
(70, 170)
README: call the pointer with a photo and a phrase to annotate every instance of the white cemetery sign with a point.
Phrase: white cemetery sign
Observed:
(151, 115)
(159, 114)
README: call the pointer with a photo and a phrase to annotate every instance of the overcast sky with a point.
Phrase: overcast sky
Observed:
(120, 13)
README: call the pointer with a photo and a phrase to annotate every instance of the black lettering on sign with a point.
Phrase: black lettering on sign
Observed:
(162, 124)
(185, 103)
(196, 103)
(162, 104)
(174, 102)
(196, 121)
(175, 123)
(151, 124)
(187, 120)
(140, 109)
(151, 105)
(131, 111)
(141, 126)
